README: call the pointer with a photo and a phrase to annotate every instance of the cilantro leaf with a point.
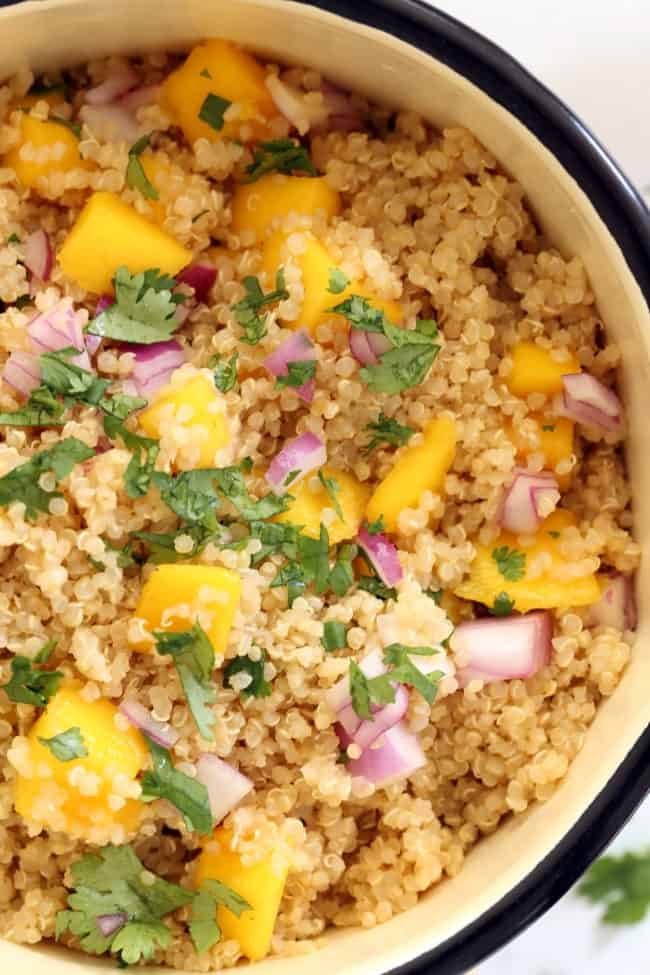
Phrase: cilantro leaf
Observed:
(435, 594)
(191, 495)
(193, 656)
(292, 576)
(375, 527)
(297, 374)
(212, 111)
(125, 558)
(225, 373)
(404, 670)
(387, 431)
(137, 941)
(549, 428)
(275, 537)
(374, 585)
(144, 310)
(22, 483)
(203, 925)
(140, 469)
(338, 281)
(503, 605)
(42, 409)
(621, 885)
(314, 559)
(136, 177)
(511, 563)
(29, 685)
(333, 488)
(335, 636)
(246, 311)
(342, 574)
(231, 484)
(67, 745)
(188, 795)
(281, 156)
(368, 691)
(258, 686)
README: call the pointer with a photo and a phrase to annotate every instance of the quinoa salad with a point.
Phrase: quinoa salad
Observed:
(315, 534)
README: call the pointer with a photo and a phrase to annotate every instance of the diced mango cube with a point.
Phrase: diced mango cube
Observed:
(175, 596)
(158, 172)
(84, 797)
(44, 148)
(534, 370)
(315, 263)
(546, 591)
(108, 234)
(219, 68)
(555, 442)
(195, 405)
(310, 502)
(261, 884)
(256, 205)
(416, 469)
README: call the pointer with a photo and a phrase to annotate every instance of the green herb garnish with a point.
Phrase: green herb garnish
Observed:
(137, 476)
(375, 586)
(622, 885)
(204, 929)
(549, 428)
(375, 527)
(387, 431)
(553, 534)
(188, 795)
(136, 177)
(298, 373)
(333, 489)
(144, 310)
(367, 692)
(66, 746)
(511, 563)
(206, 74)
(13, 239)
(225, 373)
(29, 684)
(22, 483)
(231, 485)
(338, 281)
(246, 311)
(342, 575)
(335, 636)
(281, 156)
(258, 686)
(193, 656)
(503, 605)
(212, 111)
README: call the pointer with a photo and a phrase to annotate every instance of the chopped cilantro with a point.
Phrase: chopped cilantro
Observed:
(622, 885)
(136, 177)
(338, 281)
(335, 636)
(368, 691)
(114, 881)
(23, 301)
(204, 929)
(42, 409)
(29, 684)
(333, 489)
(212, 111)
(291, 576)
(549, 428)
(258, 686)
(375, 586)
(280, 538)
(206, 74)
(144, 310)
(291, 476)
(125, 558)
(342, 758)
(22, 483)
(74, 127)
(503, 605)
(342, 575)
(231, 485)
(246, 311)
(13, 239)
(387, 431)
(188, 795)
(281, 156)
(225, 373)
(193, 656)
(137, 476)
(67, 745)
(511, 563)
(553, 534)
(404, 670)
(435, 594)
(298, 373)
(375, 527)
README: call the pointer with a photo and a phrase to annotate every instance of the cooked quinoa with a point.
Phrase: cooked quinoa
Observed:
(424, 224)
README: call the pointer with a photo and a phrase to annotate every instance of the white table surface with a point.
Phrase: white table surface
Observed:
(595, 54)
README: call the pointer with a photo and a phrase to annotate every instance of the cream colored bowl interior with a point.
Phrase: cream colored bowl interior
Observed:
(59, 32)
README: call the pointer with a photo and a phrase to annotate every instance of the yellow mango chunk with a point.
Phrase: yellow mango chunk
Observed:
(534, 370)
(416, 470)
(175, 596)
(86, 797)
(44, 148)
(108, 234)
(219, 68)
(555, 442)
(158, 172)
(547, 591)
(308, 506)
(315, 263)
(261, 884)
(256, 205)
(195, 405)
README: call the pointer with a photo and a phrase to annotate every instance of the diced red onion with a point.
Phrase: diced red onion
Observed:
(364, 732)
(586, 400)
(145, 95)
(103, 302)
(383, 555)
(297, 348)
(226, 786)
(200, 277)
(529, 499)
(38, 255)
(399, 755)
(22, 372)
(108, 924)
(60, 328)
(122, 79)
(616, 606)
(503, 648)
(158, 731)
(154, 365)
(110, 123)
(304, 454)
(302, 113)
(368, 347)
(341, 114)
(93, 342)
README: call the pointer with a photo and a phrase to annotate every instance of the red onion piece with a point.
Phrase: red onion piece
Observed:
(154, 365)
(200, 277)
(103, 302)
(360, 348)
(505, 648)
(226, 786)
(364, 732)
(110, 123)
(297, 348)
(294, 105)
(140, 717)
(383, 555)
(38, 255)
(341, 114)
(586, 400)
(22, 372)
(529, 499)
(378, 343)
(616, 606)
(122, 79)
(60, 328)
(303, 454)
(108, 924)
(146, 95)
(397, 757)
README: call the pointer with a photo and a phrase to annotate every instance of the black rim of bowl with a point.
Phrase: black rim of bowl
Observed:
(623, 211)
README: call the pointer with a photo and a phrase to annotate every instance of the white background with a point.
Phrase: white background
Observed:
(595, 54)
